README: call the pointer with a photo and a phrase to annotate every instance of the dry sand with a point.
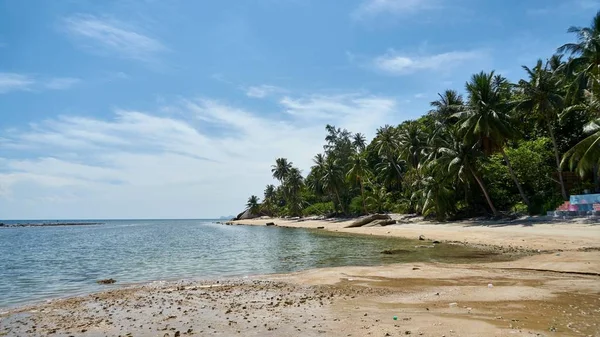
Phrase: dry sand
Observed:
(554, 293)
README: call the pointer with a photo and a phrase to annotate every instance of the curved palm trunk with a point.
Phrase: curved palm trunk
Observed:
(484, 190)
(514, 178)
(563, 191)
(362, 196)
(396, 167)
(339, 200)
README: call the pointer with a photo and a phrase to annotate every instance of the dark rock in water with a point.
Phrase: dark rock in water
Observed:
(1, 224)
(321, 227)
(436, 242)
(422, 237)
(107, 281)
(270, 224)
(395, 251)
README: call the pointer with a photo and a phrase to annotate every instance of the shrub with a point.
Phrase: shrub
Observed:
(321, 208)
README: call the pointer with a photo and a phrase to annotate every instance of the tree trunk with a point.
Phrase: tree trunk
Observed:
(596, 181)
(396, 167)
(514, 177)
(484, 190)
(339, 201)
(362, 196)
(563, 191)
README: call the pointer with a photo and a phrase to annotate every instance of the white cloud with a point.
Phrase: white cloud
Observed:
(372, 8)
(262, 91)
(112, 37)
(14, 82)
(203, 161)
(61, 83)
(21, 82)
(399, 64)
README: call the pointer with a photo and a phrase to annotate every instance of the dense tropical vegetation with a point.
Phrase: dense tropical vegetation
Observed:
(501, 147)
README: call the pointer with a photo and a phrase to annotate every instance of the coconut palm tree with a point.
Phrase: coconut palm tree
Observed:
(269, 198)
(292, 185)
(444, 108)
(253, 205)
(434, 194)
(585, 63)
(314, 178)
(411, 143)
(359, 142)
(358, 173)
(459, 159)
(332, 179)
(281, 168)
(542, 97)
(386, 145)
(377, 198)
(585, 155)
(485, 117)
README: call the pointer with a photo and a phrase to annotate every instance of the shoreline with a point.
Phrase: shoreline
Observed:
(430, 299)
(555, 290)
(521, 234)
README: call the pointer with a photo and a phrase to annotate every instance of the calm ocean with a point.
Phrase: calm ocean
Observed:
(38, 263)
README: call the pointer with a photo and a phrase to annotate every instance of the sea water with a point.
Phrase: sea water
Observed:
(38, 263)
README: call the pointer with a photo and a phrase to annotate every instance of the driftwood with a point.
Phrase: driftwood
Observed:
(368, 219)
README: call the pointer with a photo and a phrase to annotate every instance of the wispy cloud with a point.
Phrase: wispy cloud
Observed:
(14, 82)
(373, 8)
(402, 64)
(112, 37)
(262, 91)
(22, 82)
(567, 6)
(61, 83)
(169, 165)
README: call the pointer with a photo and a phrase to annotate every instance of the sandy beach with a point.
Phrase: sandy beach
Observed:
(553, 292)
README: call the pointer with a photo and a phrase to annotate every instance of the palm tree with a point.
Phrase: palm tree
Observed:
(460, 159)
(434, 194)
(292, 186)
(332, 179)
(485, 117)
(585, 64)
(253, 205)
(586, 51)
(449, 103)
(281, 168)
(377, 198)
(411, 143)
(386, 144)
(359, 171)
(314, 178)
(269, 198)
(359, 142)
(542, 97)
(585, 155)
(269, 192)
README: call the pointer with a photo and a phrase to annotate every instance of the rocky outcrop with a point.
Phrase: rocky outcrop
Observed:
(246, 215)
(369, 219)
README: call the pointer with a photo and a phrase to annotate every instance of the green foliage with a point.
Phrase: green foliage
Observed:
(356, 206)
(519, 208)
(321, 208)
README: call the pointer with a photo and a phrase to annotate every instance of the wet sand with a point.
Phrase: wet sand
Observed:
(552, 293)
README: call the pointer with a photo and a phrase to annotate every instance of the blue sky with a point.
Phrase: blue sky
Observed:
(177, 109)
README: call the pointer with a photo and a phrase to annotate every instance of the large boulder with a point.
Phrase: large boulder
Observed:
(246, 215)
(368, 219)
